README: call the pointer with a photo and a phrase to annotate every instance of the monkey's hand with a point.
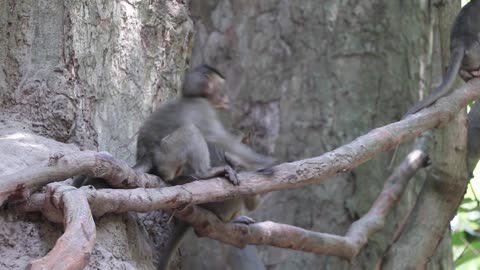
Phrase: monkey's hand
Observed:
(244, 220)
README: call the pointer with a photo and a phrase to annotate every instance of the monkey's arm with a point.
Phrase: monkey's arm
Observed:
(444, 88)
(144, 166)
(216, 133)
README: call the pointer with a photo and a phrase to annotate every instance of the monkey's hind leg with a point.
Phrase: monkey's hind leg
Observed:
(244, 220)
(222, 171)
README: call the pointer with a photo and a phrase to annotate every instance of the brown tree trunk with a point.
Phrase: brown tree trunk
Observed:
(307, 77)
(86, 72)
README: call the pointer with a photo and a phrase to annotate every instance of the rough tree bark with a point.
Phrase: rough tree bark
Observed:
(84, 72)
(305, 77)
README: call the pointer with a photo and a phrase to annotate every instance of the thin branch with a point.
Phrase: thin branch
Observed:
(72, 250)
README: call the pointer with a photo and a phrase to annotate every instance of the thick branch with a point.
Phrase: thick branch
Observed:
(62, 166)
(437, 202)
(287, 236)
(287, 176)
(264, 233)
(72, 250)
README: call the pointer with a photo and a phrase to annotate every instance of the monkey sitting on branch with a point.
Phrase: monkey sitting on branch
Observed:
(465, 54)
(203, 90)
(197, 138)
(187, 148)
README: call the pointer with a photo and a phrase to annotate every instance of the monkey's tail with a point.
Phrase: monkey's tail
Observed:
(440, 91)
(245, 259)
(172, 245)
(78, 181)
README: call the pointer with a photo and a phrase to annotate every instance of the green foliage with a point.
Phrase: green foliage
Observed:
(466, 228)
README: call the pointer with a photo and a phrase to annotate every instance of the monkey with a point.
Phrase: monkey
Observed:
(473, 137)
(171, 144)
(245, 259)
(186, 149)
(465, 54)
(202, 92)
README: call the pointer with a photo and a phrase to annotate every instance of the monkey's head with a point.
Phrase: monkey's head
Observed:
(168, 168)
(206, 82)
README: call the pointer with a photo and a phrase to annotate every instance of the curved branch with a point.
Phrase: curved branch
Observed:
(287, 176)
(72, 250)
(61, 166)
(287, 236)
(437, 202)
(263, 233)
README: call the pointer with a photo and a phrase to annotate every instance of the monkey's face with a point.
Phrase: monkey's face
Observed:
(216, 93)
(169, 169)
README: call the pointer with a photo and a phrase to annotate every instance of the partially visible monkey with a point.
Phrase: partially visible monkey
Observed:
(473, 138)
(244, 259)
(185, 153)
(203, 90)
(186, 149)
(465, 54)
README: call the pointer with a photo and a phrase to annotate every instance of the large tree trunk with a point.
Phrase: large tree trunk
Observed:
(307, 77)
(86, 72)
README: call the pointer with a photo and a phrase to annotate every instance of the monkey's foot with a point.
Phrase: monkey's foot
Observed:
(223, 171)
(244, 220)
(231, 175)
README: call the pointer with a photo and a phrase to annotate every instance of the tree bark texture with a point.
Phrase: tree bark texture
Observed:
(84, 72)
(306, 77)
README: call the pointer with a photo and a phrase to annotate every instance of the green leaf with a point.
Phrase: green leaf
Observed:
(472, 252)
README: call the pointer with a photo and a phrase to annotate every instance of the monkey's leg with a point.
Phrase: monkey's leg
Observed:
(82, 180)
(251, 202)
(79, 180)
(244, 220)
(244, 259)
(172, 245)
(223, 171)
